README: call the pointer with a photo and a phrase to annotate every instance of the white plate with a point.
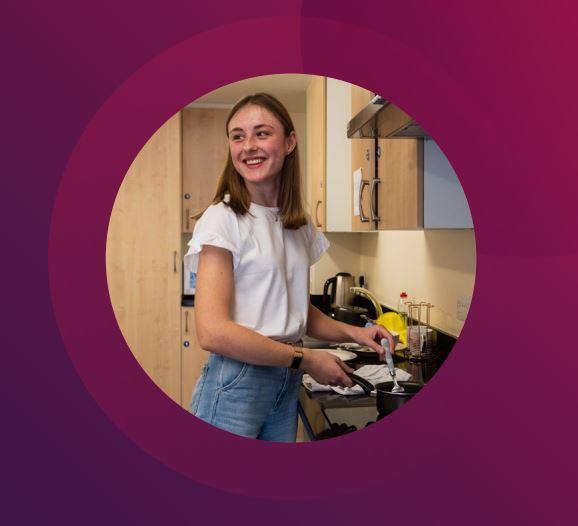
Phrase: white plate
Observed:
(340, 353)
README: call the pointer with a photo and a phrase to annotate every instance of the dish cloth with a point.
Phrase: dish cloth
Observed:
(373, 373)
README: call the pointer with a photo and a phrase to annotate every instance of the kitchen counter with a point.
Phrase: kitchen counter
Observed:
(329, 414)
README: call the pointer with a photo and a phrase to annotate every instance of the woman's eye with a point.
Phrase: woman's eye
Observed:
(262, 134)
(236, 137)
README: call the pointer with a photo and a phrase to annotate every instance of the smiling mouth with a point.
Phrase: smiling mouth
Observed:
(255, 161)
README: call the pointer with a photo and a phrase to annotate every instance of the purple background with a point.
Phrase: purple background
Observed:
(89, 439)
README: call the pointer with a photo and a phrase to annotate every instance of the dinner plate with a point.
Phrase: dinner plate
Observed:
(340, 353)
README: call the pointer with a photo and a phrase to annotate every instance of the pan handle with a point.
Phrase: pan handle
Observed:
(362, 382)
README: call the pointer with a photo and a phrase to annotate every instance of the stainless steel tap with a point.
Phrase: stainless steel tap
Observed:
(360, 291)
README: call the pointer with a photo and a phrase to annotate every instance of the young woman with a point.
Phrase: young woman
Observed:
(252, 249)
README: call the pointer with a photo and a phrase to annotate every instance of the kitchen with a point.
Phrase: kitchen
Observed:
(423, 243)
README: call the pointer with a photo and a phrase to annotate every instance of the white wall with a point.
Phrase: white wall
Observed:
(338, 156)
(437, 266)
(343, 255)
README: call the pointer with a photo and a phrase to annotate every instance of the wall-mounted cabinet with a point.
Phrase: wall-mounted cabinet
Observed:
(410, 186)
(445, 204)
(399, 193)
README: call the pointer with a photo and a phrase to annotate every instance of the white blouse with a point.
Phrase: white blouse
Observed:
(270, 266)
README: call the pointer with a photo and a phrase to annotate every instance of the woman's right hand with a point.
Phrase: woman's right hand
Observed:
(326, 369)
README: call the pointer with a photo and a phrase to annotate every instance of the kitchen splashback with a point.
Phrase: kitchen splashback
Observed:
(438, 266)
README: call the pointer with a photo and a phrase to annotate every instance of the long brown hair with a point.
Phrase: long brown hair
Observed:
(230, 182)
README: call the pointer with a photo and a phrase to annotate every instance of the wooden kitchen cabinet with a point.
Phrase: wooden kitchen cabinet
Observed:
(205, 149)
(316, 147)
(143, 260)
(400, 187)
(192, 356)
(332, 156)
(362, 157)
(445, 204)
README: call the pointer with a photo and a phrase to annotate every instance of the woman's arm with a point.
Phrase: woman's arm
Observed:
(323, 327)
(217, 333)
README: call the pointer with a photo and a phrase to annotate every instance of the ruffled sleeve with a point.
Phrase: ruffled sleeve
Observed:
(318, 243)
(217, 227)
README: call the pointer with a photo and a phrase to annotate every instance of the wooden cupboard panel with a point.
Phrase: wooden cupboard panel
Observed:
(360, 98)
(193, 357)
(400, 198)
(143, 257)
(316, 147)
(362, 156)
(205, 150)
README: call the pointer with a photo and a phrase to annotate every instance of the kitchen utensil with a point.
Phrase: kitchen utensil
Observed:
(368, 350)
(340, 353)
(340, 295)
(419, 335)
(420, 342)
(389, 360)
(386, 400)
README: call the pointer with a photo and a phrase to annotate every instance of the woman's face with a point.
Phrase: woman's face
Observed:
(258, 144)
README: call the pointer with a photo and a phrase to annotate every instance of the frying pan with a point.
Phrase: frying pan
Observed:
(386, 400)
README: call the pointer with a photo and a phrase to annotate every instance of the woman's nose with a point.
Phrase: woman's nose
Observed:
(250, 144)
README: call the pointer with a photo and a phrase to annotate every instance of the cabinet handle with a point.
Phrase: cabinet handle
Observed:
(186, 322)
(175, 262)
(373, 200)
(316, 216)
(367, 154)
(187, 213)
(362, 217)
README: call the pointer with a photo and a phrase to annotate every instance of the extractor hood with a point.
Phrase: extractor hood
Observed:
(382, 119)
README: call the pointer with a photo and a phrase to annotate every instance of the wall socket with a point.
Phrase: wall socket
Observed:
(462, 307)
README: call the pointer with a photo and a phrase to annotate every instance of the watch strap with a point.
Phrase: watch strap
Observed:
(297, 357)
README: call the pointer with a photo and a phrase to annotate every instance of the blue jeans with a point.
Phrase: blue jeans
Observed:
(254, 401)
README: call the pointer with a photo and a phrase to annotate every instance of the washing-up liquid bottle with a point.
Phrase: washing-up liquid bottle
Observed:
(402, 307)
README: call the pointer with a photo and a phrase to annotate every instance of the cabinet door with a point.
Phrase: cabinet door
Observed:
(362, 164)
(205, 150)
(193, 357)
(445, 204)
(316, 147)
(362, 157)
(143, 258)
(400, 187)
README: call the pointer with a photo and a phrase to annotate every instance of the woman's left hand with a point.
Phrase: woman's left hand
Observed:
(371, 337)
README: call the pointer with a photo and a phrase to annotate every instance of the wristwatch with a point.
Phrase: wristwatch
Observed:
(297, 357)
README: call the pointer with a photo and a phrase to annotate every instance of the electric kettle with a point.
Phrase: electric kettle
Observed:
(340, 296)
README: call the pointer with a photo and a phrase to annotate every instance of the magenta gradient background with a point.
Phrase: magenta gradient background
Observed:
(494, 84)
